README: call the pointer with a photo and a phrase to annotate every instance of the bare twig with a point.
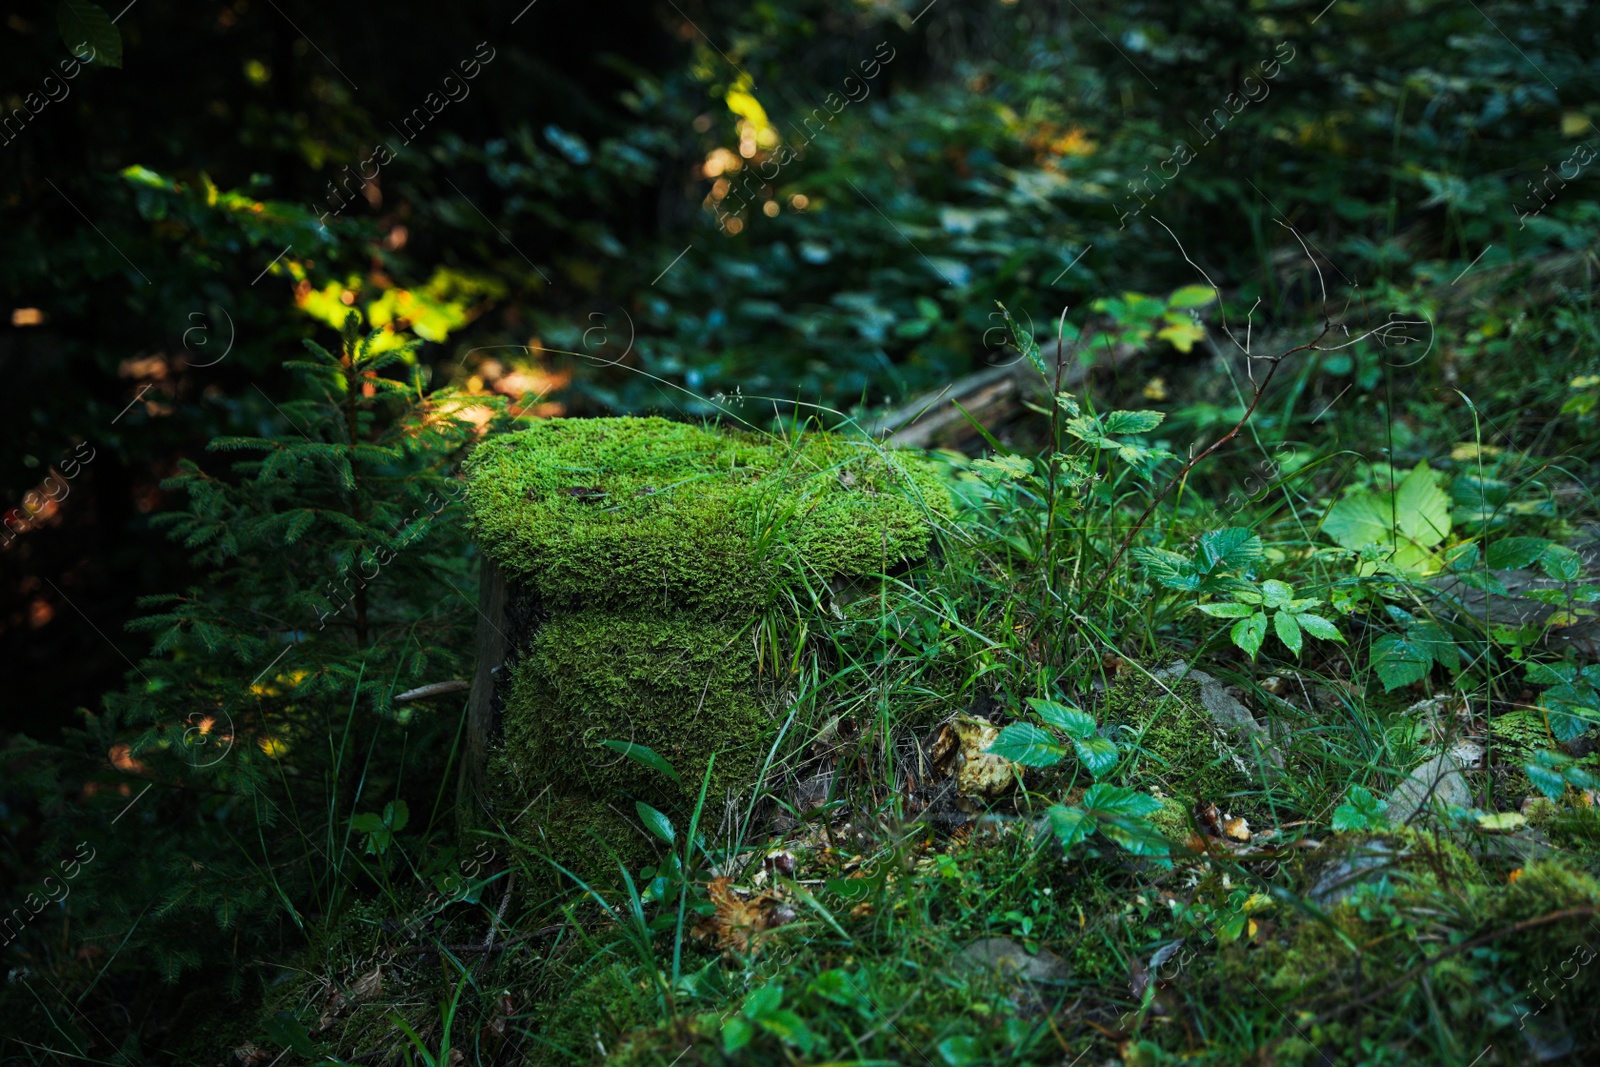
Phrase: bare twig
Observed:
(436, 689)
(1255, 401)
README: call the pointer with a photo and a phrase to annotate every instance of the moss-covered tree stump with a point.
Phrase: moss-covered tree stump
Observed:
(638, 557)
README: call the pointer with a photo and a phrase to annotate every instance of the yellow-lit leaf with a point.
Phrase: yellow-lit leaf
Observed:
(1192, 296)
(1182, 335)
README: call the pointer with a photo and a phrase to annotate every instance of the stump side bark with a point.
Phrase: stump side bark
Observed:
(493, 646)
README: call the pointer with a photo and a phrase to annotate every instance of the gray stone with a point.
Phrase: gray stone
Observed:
(1365, 863)
(1004, 957)
(1440, 780)
(1225, 710)
(1516, 608)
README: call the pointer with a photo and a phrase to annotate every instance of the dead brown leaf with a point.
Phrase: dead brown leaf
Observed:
(1208, 818)
(368, 985)
(737, 920)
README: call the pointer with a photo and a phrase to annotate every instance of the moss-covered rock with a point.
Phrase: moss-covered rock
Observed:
(1395, 955)
(662, 516)
(644, 554)
(680, 686)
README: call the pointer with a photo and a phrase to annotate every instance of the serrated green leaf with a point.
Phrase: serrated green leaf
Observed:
(1226, 610)
(1249, 633)
(1551, 673)
(1025, 343)
(1070, 825)
(1398, 661)
(1132, 421)
(1069, 720)
(997, 470)
(1139, 836)
(1511, 553)
(1276, 595)
(1360, 811)
(1169, 568)
(1561, 563)
(1288, 631)
(1428, 636)
(1107, 799)
(1407, 528)
(1422, 508)
(1320, 628)
(1025, 743)
(1232, 549)
(89, 33)
(1549, 782)
(1097, 754)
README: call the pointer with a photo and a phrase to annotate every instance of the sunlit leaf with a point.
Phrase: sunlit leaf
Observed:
(1318, 627)
(1192, 296)
(1132, 421)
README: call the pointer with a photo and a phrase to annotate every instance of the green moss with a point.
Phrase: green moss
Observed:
(587, 1023)
(588, 836)
(654, 548)
(1172, 819)
(660, 515)
(680, 686)
(1473, 994)
(1185, 753)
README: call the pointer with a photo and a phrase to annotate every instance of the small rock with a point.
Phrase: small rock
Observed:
(1226, 711)
(1363, 864)
(1003, 956)
(1440, 780)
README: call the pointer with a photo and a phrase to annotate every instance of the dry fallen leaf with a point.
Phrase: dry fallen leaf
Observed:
(1208, 818)
(943, 749)
(737, 921)
(368, 985)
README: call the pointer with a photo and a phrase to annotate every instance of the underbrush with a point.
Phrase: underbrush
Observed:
(1120, 771)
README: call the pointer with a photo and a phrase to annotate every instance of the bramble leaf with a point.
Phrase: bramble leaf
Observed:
(1025, 743)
